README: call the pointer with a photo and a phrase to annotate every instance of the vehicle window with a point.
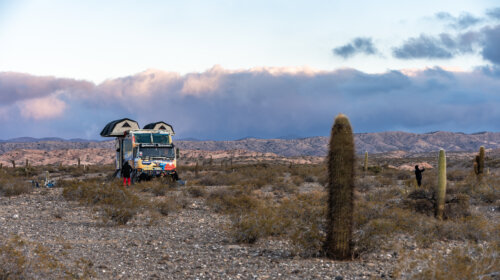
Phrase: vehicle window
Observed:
(151, 152)
(144, 138)
(161, 139)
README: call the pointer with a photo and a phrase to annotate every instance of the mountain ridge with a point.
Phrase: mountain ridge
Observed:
(375, 142)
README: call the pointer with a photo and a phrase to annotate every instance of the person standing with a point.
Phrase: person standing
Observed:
(418, 175)
(126, 170)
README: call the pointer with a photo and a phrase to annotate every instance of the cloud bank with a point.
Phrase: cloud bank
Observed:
(265, 102)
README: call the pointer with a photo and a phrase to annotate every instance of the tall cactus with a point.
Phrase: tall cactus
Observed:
(341, 159)
(479, 165)
(365, 165)
(441, 187)
(479, 162)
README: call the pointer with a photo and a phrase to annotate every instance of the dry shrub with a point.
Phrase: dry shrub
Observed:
(378, 222)
(251, 175)
(297, 180)
(364, 184)
(469, 262)
(158, 187)
(232, 199)
(196, 191)
(374, 169)
(12, 186)
(20, 259)
(305, 216)
(169, 204)
(285, 187)
(404, 175)
(384, 181)
(116, 203)
(300, 219)
(258, 222)
(457, 175)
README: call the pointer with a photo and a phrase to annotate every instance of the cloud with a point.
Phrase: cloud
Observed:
(491, 51)
(494, 13)
(423, 47)
(19, 86)
(463, 21)
(42, 108)
(260, 102)
(356, 46)
(444, 46)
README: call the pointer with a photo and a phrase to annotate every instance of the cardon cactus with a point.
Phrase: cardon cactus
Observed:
(341, 162)
(479, 162)
(365, 165)
(441, 187)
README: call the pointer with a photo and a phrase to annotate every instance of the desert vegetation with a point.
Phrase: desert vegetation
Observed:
(276, 209)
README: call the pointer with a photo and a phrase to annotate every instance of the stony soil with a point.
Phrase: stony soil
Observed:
(190, 244)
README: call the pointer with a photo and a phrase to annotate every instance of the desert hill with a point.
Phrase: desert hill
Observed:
(379, 142)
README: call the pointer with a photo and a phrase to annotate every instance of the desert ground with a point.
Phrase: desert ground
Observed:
(244, 215)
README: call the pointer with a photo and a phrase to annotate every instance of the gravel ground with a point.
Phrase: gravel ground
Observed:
(190, 244)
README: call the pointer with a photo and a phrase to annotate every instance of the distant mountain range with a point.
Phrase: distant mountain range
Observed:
(312, 146)
(45, 139)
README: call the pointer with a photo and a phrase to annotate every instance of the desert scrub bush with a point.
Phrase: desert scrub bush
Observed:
(170, 204)
(300, 219)
(196, 191)
(384, 181)
(457, 175)
(487, 192)
(305, 222)
(375, 169)
(378, 221)
(404, 175)
(284, 187)
(21, 259)
(258, 221)
(12, 186)
(365, 184)
(468, 262)
(231, 200)
(116, 204)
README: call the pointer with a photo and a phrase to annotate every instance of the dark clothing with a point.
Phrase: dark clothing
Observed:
(126, 170)
(418, 175)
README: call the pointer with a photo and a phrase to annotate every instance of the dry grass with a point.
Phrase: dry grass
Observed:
(115, 203)
(20, 259)
(12, 186)
(468, 262)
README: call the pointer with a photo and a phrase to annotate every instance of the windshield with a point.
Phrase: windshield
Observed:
(152, 152)
(144, 138)
(161, 139)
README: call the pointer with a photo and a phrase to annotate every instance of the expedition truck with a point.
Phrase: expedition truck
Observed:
(149, 151)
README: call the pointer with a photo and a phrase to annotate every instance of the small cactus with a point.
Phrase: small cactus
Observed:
(441, 187)
(338, 244)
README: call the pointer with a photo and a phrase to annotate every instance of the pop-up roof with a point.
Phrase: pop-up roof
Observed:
(161, 126)
(117, 128)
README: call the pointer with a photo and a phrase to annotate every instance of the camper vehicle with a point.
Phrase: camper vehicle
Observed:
(149, 150)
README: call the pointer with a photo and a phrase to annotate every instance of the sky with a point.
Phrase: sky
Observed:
(225, 70)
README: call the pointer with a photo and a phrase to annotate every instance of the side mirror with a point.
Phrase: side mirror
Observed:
(177, 153)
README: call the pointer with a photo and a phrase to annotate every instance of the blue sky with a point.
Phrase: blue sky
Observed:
(232, 69)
